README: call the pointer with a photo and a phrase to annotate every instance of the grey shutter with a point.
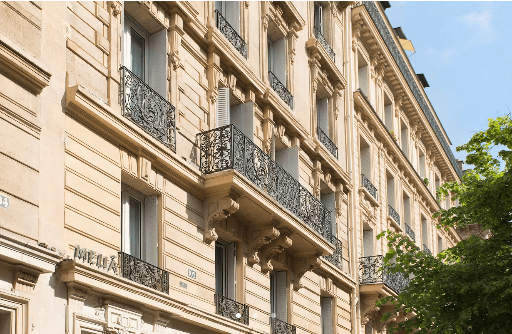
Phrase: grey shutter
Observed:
(319, 18)
(273, 147)
(223, 107)
(281, 296)
(231, 271)
(322, 110)
(329, 201)
(127, 44)
(158, 62)
(288, 158)
(279, 55)
(362, 74)
(242, 116)
(150, 230)
(327, 315)
(368, 242)
(218, 6)
(233, 14)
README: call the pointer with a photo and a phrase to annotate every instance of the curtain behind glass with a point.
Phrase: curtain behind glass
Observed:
(137, 54)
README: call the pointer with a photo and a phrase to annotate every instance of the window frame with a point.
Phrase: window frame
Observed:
(130, 23)
(128, 192)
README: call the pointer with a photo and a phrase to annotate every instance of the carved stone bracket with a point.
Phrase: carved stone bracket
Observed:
(260, 238)
(269, 252)
(25, 279)
(216, 212)
(301, 267)
(368, 308)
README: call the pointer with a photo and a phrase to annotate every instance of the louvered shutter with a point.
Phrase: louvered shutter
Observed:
(231, 271)
(322, 110)
(281, 296)
(242, 116)
(329, 201)
(127, 61)
(150, 230)
(233, 14)
(158, 62)
(223, 107)
(327, 306)
(288, 158)
(279, 55)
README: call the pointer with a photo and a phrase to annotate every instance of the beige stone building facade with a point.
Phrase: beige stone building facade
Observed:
(209, 167)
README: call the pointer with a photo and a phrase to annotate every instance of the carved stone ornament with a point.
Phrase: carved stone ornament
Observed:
(302, 267)
(260, 238)
(269, 252)
(218, 211)
(116, 8)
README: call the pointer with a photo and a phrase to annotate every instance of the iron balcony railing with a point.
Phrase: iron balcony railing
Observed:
(337, 257)
(370, 187)
(410, 232)
(233, 37)
(146, 108)
(426, 250)
(371, 270)
(327, 142)
(325, 44)
(231, 309)
(144, 273)
(280, 89)
(228, 148)
(393, 214)
(281, 327)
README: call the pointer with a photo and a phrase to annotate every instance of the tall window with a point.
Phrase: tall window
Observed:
(322, 110)
(404, 137)
(278, 295)
(139, 216)
(388, 113)
(230, 10)
(329, 200)
(231, 111)
(225, 269)
(368, 240)
(362, 75)
(424, 231)
(327, 305)
(439, 244)
(5, 322)
(365, 158)
(319, 17)
(407, 210)
(276, 46)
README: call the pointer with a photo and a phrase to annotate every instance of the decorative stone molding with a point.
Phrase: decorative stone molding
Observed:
(259, 239)
(301, 267)
(213, 72)
(25, 279)
(216, 212)
(116, 7)
(368, 308)
(269, 252)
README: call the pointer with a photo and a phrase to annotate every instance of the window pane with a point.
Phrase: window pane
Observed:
(134, 228)
(137, 54)
(5, 322)
(219, 268)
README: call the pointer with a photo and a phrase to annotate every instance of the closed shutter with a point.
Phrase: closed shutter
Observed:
(279, 55)
(151, 230)
(242, 116)
(281, 296)
(231, 271)
(127, 61)
(368, 242)
(125, 223)
(223, 107)
(288, 158)
(158, 62)
(273, 147)
(327, 315)
(233, 14)
(322, 110)
(329, 201)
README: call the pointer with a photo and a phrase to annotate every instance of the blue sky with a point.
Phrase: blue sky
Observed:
(464, 49)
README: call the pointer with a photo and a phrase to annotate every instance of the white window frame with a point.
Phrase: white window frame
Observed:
(228, 270)
(126, 193)
(130, 23)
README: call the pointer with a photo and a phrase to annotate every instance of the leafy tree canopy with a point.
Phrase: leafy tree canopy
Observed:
(466, 288)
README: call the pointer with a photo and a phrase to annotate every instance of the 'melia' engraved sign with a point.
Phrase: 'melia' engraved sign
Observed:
(98, 259)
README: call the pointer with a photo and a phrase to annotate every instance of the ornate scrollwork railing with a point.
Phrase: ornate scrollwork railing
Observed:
(410, 232)
(228, 148)
(370, 187)
(231, 309)
(371, 270)
(144, 273)
(280, 89)
(281, 327)
(426, 250)
(393, 214)
(233, 37)
(327, 142)
(324, 43)
(146, 108)
(337, 257)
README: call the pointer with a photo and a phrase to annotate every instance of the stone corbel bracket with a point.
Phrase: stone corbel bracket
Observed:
(25, 279)
(260, 238)
(368, 308)
(218, 211)
(301, 267)
(269, 252)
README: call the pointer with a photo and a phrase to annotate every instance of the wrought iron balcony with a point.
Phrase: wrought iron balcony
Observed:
(228, 148)
(144, 273)
(281, 327)
(426, 250)
(231, 309)
(146, 108)
(410, 232)
(233, 37)
(327, 142)
(324, 43)
(371, 270)
(370, 187)
(393, 214)
(337, 257)
(280, 89)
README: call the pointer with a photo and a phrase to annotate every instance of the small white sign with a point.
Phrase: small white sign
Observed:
(4, 202)
(192, 273)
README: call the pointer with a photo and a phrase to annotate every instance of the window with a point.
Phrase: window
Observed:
(422, 164)
(230, 10)
(6, 321)
(319, 17)
(327, 305)
(288, 158)
(404, 139)
(225, 269)
(365, 157)
(322, 110)
(231, 111)
(388, 113)
(276, 46)
(278, 295)
(362, 75)
(368, 240)
(391, 190)
(439, 244)
(424, 231)
(368, 328)
(139, 233)
(407, 210)
(329, 200)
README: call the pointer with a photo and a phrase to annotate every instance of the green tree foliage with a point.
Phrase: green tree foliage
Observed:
(467, 288)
